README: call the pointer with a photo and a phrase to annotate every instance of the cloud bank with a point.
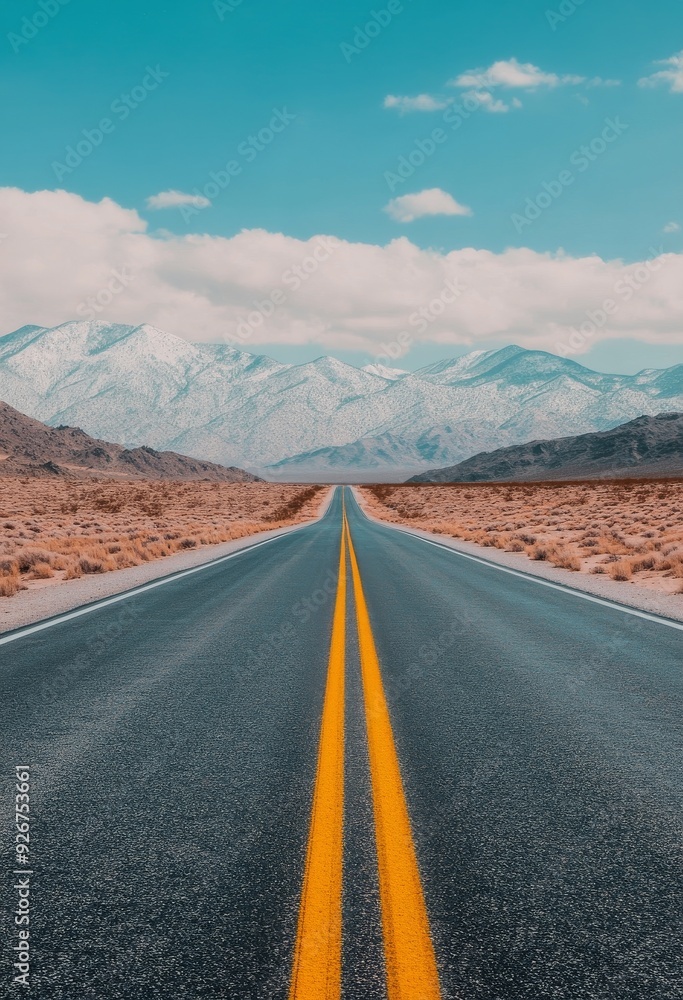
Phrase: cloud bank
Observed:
(64, 258)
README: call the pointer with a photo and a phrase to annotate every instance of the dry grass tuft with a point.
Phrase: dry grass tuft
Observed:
(9, 585)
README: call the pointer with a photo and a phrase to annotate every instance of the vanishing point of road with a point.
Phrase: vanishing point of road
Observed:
(348, 763)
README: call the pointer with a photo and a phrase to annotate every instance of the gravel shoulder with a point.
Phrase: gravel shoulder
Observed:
(629, 594)
(30, 606)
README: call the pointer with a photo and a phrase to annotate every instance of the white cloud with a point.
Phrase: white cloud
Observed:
(511, 74)
(61, 249)
(671, 77)
(672, 227)
(432, 201)
(422, 102)
(477, 84)
(428, 102)
(490, 103)
(173, 199)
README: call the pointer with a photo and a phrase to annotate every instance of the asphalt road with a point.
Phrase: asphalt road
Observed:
(173, 739)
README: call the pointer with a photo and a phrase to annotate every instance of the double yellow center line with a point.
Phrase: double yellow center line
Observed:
(411, 971)
(317, 954)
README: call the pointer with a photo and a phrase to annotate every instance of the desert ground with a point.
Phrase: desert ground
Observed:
(55, 530)
(632, 531)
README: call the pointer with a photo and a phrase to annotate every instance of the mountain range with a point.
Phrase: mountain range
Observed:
(323, 419)
(30, 448)
(647, 447)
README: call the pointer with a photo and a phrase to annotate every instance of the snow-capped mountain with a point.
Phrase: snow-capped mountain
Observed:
(384, 372)
(139, 385)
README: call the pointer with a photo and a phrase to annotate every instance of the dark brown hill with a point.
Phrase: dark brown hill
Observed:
(647, 447)
(28, 447)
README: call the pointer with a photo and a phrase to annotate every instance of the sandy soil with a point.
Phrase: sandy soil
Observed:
(52, 532)
(628, 533)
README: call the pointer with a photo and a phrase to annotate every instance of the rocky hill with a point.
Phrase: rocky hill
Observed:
(647, 447)
(28, 447)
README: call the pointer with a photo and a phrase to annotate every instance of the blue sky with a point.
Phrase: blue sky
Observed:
(326, 172)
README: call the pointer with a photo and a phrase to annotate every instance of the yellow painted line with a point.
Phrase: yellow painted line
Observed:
(408, 949)
(316, 973)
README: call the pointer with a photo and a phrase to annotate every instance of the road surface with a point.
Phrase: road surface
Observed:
(314, 770)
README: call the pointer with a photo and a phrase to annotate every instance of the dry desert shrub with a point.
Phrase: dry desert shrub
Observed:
(42, 571)
(9, 585)
(629, 530)
(91, 527)
(621, 570)
(564, 559)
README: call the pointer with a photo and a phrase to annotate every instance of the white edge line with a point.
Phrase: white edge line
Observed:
(21, 633)
(605, 602)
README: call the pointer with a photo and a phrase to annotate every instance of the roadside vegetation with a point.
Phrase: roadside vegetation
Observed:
(629, 530)
(61, 530)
